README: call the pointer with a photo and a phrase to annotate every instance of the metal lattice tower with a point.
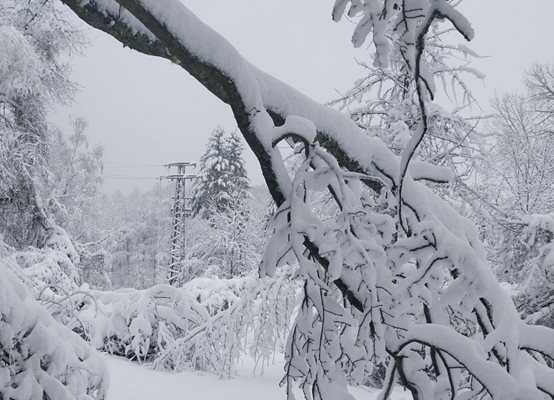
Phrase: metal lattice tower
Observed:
(181, 211)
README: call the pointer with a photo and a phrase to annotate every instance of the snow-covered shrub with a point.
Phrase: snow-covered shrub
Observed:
(125, 322)
(58, 266)
(247, 316)
(204, 325)
(59, 240)
(39, 358)
(47, 268)
(216, 294)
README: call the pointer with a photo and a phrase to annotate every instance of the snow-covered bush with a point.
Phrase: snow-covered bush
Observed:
(247, 316)
(125, 322)
(52, 268)
(204, 325)
(47, 268)
(39, 358)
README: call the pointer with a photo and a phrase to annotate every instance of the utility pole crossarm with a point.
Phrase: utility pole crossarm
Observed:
(178, 176)
(181, 164)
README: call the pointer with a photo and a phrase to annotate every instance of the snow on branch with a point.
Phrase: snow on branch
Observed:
(388, 260)
(212, 60)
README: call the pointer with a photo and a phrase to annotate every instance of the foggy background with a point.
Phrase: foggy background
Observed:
(146, 112)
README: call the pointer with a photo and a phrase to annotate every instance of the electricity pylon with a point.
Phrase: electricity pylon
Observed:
(181, 211)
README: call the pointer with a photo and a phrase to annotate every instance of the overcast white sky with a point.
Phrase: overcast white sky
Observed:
(146, 112)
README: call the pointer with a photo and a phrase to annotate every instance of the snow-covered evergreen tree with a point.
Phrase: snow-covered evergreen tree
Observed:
(228, 244)
(239, 184)
(222, 178)
(210, 189)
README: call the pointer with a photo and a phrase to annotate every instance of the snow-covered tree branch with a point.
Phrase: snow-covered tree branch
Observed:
(396, 275)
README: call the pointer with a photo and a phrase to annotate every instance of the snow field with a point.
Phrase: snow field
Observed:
(130, 381)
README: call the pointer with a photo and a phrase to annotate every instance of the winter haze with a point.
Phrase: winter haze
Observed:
(144, 110)
(359, 202)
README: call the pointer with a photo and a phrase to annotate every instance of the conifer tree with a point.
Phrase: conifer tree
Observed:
(239, 184)
(229, 246)
(209, 190)
(223, 181)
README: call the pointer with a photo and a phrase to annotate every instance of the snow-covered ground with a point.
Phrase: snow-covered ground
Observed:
(129, 381)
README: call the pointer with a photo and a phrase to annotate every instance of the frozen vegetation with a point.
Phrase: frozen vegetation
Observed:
(401, 249)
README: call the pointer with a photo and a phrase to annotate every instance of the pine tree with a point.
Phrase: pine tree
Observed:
(239, 184)
(223, 181)
(227, 245)
(209, 190)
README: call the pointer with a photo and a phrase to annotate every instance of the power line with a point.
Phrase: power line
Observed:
(123, 177)
(129, 164)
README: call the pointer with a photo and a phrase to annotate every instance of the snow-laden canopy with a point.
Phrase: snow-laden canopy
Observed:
(415, 291)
